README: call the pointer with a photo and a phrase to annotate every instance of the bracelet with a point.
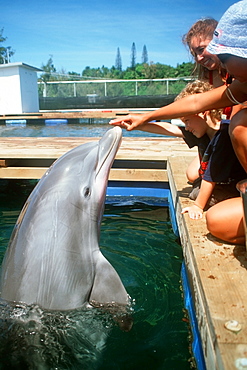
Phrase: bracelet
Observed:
(198, 206)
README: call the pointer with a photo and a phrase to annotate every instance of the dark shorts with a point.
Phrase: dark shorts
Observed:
(221, 192)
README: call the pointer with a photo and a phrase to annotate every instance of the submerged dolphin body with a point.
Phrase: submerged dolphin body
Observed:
(53, 258)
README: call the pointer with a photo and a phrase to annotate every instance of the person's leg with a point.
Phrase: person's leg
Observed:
(238, 134)
(192, 171)
(225, 221)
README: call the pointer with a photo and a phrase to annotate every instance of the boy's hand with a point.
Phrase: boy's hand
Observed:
(194, 211)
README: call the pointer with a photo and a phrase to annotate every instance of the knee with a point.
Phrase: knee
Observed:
(238, 125)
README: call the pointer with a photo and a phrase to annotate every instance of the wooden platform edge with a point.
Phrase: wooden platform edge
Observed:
(116, 174)
(217, 275)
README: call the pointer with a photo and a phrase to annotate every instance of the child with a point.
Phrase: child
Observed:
(198, 131)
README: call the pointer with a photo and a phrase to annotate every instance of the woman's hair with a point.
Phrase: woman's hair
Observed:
(204, 27)
(198, 87)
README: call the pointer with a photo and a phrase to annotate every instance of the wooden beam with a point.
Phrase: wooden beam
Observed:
(117, 174)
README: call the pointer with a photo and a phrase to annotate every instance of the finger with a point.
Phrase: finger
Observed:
(184, 210)
(195, 216)
(115, 122)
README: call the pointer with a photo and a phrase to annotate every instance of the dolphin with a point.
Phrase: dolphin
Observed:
(53, 259)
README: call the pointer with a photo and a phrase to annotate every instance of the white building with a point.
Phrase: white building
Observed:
(18, 88)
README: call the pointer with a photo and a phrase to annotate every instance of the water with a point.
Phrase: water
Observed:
(69, 130)
(137, 239)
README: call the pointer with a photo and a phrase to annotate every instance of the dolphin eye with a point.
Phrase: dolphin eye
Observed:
(87, 192)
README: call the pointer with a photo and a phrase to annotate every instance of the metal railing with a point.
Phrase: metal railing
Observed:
(93, 88)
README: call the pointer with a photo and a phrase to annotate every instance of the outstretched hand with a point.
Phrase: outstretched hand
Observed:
(194, 212)
(129, 122)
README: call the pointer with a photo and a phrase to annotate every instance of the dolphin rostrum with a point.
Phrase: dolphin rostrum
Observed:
(53, 258)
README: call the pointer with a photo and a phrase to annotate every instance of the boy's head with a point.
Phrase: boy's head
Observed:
(198, 87)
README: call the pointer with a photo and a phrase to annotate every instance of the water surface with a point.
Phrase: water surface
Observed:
(68, 130)
(137, 239)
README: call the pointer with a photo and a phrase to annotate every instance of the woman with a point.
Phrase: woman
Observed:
(231, 49)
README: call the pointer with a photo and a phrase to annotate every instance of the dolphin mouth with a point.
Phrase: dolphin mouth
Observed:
(108, 147)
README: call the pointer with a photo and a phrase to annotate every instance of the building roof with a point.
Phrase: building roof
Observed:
(20, 64)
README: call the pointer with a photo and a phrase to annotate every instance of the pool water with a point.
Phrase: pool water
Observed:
(68, 130)
(138, 240)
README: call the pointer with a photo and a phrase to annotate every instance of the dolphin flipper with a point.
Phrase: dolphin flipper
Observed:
(107, 286)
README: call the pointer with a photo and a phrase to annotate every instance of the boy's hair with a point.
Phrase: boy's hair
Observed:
(198, 87)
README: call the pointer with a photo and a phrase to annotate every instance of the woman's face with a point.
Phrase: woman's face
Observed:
(198, 46)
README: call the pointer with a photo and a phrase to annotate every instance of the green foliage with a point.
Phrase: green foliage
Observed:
(118, 63)
(5, 52)
(141, 70)
(133, 56)
(150, 71)
(144, 55)
(49, 70)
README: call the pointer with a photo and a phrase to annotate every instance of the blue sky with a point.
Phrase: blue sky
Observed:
(80, 33)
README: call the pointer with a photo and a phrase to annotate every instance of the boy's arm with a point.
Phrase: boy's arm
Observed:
(162, 128)
(196, 211)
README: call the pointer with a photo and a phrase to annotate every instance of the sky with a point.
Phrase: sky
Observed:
(80, 33)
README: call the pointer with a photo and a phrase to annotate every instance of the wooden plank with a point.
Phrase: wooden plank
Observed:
(72, 114)
(217, 274)
(117, 174)
(131, 148)
(107, 113)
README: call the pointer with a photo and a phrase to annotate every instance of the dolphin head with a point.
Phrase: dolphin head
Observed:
(82, 173)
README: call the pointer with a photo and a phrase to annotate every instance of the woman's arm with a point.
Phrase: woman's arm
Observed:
(191, 104)
(196, 211)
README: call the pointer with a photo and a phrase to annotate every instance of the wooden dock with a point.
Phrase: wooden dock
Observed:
(218, 279)
(217, 272)
(138, 159)
(70, 114)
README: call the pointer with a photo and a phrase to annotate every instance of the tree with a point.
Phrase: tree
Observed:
(133, 56)
(5, 52)
(144, 54)
(49, 69)
(118, 63)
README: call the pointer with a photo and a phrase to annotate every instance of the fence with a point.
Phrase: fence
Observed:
(111, 88)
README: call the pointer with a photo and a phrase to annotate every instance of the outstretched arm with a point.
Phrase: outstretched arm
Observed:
(191, 104)
(162, 128)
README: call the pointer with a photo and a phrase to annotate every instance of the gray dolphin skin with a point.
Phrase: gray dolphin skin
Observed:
(53, 258)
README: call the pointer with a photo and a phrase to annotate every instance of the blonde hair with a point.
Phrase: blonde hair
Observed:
(198, 87)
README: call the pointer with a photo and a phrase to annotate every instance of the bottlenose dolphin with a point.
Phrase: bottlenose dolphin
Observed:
(53, 258)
